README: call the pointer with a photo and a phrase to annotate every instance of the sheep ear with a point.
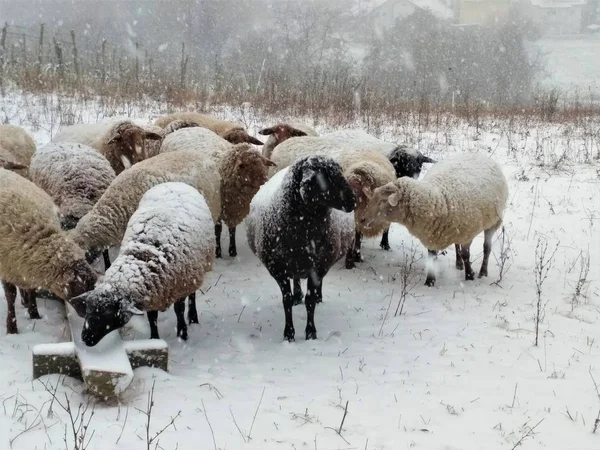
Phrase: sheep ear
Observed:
(269, 163)
(426, 159)
(134, 310)
(267, 131)
(297, 133)
(78, 303)
(368, 192)
(394, 199)
(9, 165)
(253, 140)
(307, 179)
(152, 136)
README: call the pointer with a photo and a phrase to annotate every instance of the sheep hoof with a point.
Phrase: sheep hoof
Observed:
(483, 273)
(350, 263)
(232, 253)
(430, 281)
(385, 247)
(297, 300)
(460, 265)
(193, 318)
(289, 334)
(12, 329)
(319, 300)
(311, 333)
(34, 315)
(218, 253)
(470, 276)
(154, 336)
(182, 334)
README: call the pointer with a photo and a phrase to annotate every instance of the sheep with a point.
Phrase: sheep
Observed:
(16, 149)
(121, 142)
(153, 147)
(105, 224)
(231, 132)
(281, 132)
(365, 170)
(236, 191)
(297, 229)
(34, 251)
(457, 199)
(166, 252)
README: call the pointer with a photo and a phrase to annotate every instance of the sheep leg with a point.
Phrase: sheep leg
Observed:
(385, 240)
(350, 258)
(459, 261)
(218, 230)
(106, 257)
(431, 256)
(313, 289)
(232, 246)
(465, 253)
(31, 302)
(192, 311)
(357, 245)
(487, 249)
(10, 292)
(288, 304)
(153, 320)
(179, 308)
(297, 292)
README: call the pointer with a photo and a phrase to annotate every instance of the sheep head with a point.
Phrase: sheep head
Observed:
(178, 125)
(77, 278)
(383, 206)
(239, 136)
(129, 141)
(281, 132)
(408, 162)
(104, 310)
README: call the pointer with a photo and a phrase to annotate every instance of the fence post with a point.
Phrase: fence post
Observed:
(75, 57)
(59, 59)
(41, 50)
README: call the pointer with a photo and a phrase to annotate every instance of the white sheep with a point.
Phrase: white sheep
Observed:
(235, 191)
(16, 149)
(74, 175)
(281, 132)
(230, 131)
(105, 224)
(297, 229)
(121, 142)
(34, 251)
(365, 170)
(458, 198)
(168, 248)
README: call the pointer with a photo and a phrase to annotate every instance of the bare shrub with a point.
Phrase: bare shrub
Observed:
(544, 261)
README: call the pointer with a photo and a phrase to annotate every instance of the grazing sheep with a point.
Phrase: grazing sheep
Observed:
(457, 199)
(167, 249)
(105, 224)
(365, 170)
(16, 149)
(281, 132)
(296, 230)
(121, 142)
(153, 147)
(74, 175)
(231, 132)
(34, 251)
(237, 183)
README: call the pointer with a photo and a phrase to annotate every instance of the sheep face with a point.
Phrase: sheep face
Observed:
(104, 311)
(407, 162)
(280, 133)
(238, 136)
(323, 185)
(382, 206)
(9, 165)
(129, 142)
(252, 168)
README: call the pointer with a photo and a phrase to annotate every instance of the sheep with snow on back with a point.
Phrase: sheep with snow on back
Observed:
(297, 229)
(153, 147)
(281, 132)
(121, 142)
(458, 198)
(34, 251)
(168, 248)
(230, 131)
(16, 149)
(242, 170)
(364, 169)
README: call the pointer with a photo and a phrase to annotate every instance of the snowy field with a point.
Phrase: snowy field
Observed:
(457, 370)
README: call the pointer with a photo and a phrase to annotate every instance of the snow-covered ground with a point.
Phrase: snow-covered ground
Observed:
(457, 370)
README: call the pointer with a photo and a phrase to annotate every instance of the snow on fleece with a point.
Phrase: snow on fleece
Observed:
(168, 245)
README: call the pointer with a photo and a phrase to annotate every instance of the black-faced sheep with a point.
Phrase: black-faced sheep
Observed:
(458, 198)
(297, 229)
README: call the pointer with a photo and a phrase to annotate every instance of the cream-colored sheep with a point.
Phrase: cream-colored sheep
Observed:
(281, 132)
(34, 251)
(365, 170)
(153, 147)
(105, 224)
(16, 149)
(458, 198)
(168, 247)
(230, 131)
(239, 177)
(121, 142)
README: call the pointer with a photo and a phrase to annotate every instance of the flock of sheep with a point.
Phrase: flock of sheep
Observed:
(162, 193)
